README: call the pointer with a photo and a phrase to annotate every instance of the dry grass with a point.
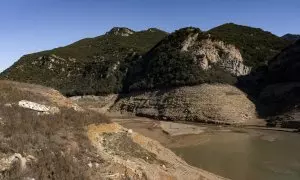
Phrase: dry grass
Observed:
(58, 141)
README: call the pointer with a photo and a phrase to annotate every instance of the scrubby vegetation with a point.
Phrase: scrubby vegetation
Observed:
(58, 143)
(143, 60)
(291, 37)
(256, 45)
(166, 65)
(89, 66)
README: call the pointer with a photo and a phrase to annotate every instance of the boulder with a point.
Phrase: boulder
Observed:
(38, 107)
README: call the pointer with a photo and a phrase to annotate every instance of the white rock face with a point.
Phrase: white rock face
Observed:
(190, 41)
(38, 107)
(208, 52)
(121, 32)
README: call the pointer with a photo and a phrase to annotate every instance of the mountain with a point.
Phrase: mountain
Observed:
(123, 60)
(291, 37)
(186, 57)
(88, 66)
(256, 45)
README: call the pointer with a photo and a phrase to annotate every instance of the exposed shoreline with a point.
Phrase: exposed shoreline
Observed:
(151, 128)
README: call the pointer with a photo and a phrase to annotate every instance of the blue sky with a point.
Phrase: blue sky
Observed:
(28, 26)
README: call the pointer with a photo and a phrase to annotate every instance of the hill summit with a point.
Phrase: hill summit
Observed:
(88, 66)
(291, 37)
(256, 45)
(122, 31)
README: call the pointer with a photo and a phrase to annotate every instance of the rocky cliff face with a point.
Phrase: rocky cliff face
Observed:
(208, 52)
(222, 104)
(187, 57)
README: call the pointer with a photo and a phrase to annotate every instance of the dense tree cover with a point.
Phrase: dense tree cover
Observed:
(257, 46)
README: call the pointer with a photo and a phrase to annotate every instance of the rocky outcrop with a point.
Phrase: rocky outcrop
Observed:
(178, 129)
(208, 52)
(121, 31)
(38, 107)
(98, 103)
(217, 103)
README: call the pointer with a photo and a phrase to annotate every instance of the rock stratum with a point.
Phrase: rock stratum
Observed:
(75, 143)
(218, 104)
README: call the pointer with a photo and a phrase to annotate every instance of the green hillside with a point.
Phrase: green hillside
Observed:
(124, 60)
(89, 66)
(256, 45)
(166, 65)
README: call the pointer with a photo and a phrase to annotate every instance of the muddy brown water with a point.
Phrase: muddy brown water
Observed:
(255, 155)
(237, 154)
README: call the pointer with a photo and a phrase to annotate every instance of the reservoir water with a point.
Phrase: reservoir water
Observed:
(247, 156)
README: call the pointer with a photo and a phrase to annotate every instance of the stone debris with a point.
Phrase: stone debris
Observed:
(116, 175)
(29, 178)
(1, 121)
(90, 165)
(7, 105)
(77, 108)
(100, 104)
(6, 163)
(130, 131)
(38, 107)
(176, 129)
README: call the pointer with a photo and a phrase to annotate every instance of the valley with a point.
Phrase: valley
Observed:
(148, 104)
